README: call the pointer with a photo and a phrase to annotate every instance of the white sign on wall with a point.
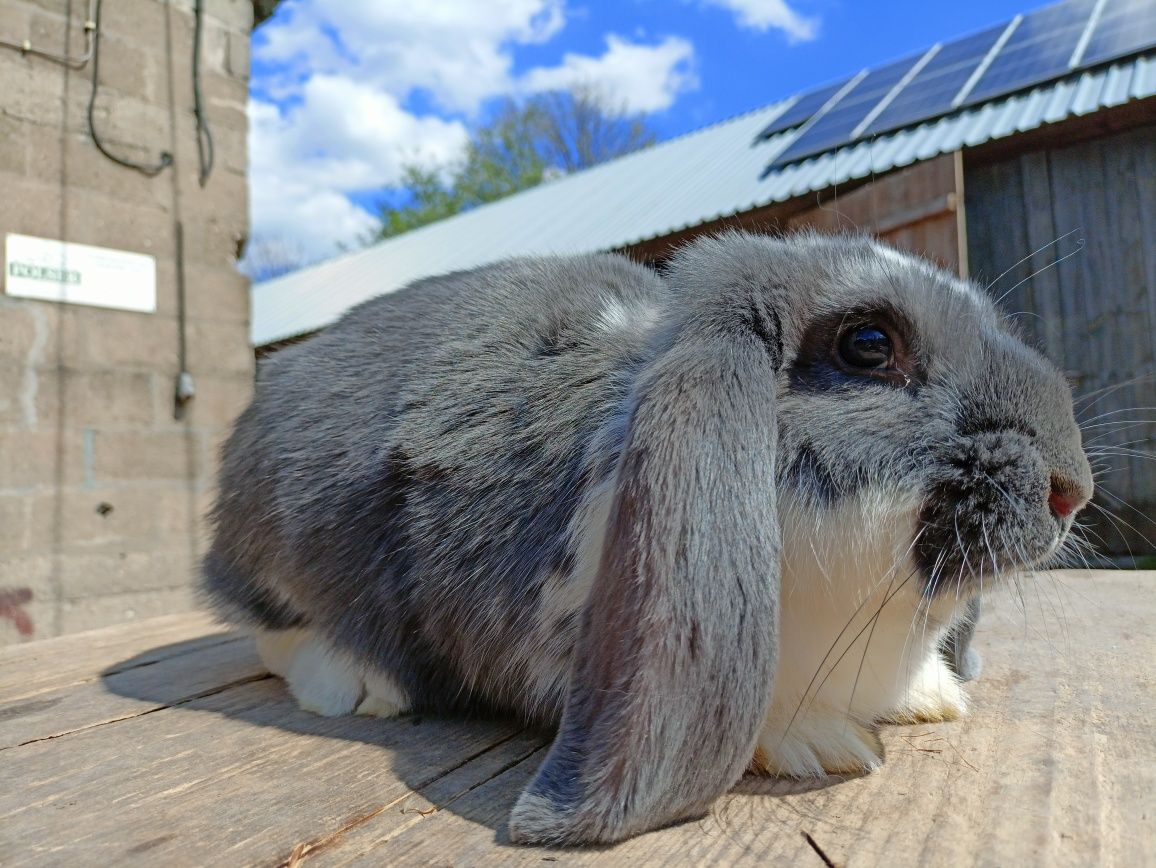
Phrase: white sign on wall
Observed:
(79, 274)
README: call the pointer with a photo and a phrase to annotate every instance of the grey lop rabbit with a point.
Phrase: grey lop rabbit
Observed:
(734, 516)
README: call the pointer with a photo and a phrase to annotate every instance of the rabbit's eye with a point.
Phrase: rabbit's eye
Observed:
(866, 347)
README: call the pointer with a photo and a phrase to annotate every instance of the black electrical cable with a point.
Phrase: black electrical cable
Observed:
(26, 48)
(204, 136)
(166, 159)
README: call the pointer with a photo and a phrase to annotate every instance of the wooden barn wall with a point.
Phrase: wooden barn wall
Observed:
(1093, 312)
(915, 209)
(918, 208)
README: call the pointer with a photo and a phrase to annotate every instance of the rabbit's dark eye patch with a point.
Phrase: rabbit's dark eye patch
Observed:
(872, 344)
(867, 347)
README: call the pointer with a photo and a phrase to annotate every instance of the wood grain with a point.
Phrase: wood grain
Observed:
(26, 670)
(1094, 312)
(196, 757)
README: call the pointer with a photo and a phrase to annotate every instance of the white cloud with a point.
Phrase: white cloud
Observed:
(460, 51)
(348, 92)
(341, 137)
(312, 223)
(639, 77)
(764, 15)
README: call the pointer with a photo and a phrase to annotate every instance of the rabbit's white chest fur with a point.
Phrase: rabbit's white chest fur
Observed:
(855, 645)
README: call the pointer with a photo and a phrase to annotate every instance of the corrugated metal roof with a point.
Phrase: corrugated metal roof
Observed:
(680, 183)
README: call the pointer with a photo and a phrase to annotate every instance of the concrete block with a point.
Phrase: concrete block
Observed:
(181, 515)
(55, 6)
(133, 68)
(14, 23)
(93, 612)
(144, 22)
(137, 517)
(98, 574)
(133, 121)
(36, 574)
(12, 144)
(50, 30)
(125, 456)
(60, 333)
(31, 92)
(234, 14)
(214, 47)
(233, 149)
(14, 524)
(20, 334)
(128, 340)
(42, 459)
(220, 400)
(86, 168)
(31, 207)
(29, 599)
(102, 494)
(214, 293)
(226, 195)
(226, 100)
(215, 239)
(76, 518)
(220, 348)
(17, 384)
(96, 218)
(81, 338)
(24, 617)
(94, 399)
(240, 54)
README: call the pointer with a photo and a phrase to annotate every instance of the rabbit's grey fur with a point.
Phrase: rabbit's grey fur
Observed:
(584, 493)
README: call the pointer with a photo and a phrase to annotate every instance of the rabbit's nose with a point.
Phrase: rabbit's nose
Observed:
(1065, 497)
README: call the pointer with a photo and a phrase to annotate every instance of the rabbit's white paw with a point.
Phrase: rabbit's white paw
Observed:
(933, 696)
(324, 680)
(327, 681)
(382, 697)
(816, 743)
(278, 648)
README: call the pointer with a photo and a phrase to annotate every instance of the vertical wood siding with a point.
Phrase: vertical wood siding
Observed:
(1093, 312)
(916, 209)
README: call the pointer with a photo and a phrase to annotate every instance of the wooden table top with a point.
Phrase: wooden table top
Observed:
(165, 742)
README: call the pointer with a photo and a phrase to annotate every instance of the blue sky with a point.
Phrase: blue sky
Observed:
(344, 93)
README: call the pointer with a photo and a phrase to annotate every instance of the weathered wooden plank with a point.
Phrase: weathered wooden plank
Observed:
(1094, 312)
(913, 208)
(53, 663)
(233, 777)
(370, 841)
(1141, 150)
(1038, 300)
(145, 684)
(1056, 765)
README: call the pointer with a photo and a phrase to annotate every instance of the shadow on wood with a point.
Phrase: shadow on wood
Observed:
(439, 760)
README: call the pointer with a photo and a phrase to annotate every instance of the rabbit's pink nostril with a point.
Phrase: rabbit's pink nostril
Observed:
(1062, 501)
(1061, 504)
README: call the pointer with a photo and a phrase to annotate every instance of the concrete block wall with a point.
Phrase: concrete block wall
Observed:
(102, 490)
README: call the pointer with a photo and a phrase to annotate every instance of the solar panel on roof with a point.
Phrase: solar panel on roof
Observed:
(803, 109)
(1038, 50)
(931, 91)
(1125, 26)
(836, 126)
(1028, 51)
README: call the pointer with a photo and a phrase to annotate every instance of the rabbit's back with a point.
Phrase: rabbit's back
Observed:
(406, 482)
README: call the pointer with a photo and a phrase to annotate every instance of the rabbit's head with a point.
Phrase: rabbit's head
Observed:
(905, 392)
(792, 383)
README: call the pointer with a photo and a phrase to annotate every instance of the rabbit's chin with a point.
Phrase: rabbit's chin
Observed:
(858, 639)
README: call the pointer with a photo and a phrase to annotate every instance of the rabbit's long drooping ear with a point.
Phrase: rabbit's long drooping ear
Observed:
(674, 666)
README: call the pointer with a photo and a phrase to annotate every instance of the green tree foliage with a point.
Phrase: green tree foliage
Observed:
(527, 142)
